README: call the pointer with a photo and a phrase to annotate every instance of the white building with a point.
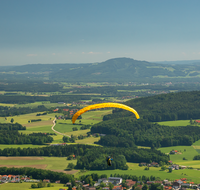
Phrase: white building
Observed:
(115, 180)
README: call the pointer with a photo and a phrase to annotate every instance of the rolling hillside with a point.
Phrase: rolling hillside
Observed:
(112, 70)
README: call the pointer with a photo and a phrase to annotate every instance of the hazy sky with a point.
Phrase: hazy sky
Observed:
(86, 31)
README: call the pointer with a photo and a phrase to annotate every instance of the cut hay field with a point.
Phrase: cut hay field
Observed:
(50, 163)
(27, 186)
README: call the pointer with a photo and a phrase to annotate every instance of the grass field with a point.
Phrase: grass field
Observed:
(178, 158)
(23, 119)
(2, 146)
(175, 123)
(27, 186)
(134, 169)
(50, 163)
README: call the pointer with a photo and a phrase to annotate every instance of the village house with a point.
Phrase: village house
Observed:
(86, 185)
(174, 152)
(143, 164)
(167, 187)
(155, 164)
(130, 183)
(115, 180)
(150, 182)
(46, 180)
(188, 185)
(69, 183)
(176, 185)
(119, 187)
(104, 180)
(105, 188)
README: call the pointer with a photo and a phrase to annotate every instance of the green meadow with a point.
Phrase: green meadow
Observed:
(2, 146)
(23, 119)
(50, 163)
(134, 169)
(175, 123)
(27, 186)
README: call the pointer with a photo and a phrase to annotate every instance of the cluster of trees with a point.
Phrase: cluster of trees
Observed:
(83, 127)
(53, 98)
(35, 120)
(10, 126)
(197, 157)
(92, 157)
(39, 114)
(68, 139)
(98, 161)
(38, 174)
(164, 107)
(14, 137)
(11, 111)
(41, 185)
(128, 131)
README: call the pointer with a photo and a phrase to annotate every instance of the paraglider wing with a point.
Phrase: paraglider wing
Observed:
(104, 105)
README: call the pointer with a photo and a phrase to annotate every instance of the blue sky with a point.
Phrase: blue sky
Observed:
(86, 31)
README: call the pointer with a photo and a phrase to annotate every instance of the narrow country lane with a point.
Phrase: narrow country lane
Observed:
(54, 123)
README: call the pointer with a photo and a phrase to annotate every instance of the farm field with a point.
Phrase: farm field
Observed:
(23, 119)
(88, 118)
(134, 169)
(187, 152)
(50, 163)
(27, 186)
(175, 123)
(2, 146)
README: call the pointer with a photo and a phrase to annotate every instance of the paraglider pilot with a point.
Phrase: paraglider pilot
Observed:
(109, 159)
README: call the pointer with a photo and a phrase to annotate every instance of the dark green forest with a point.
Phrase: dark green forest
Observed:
(6, 111)
(9, 135)
(14, 137)
(127, 132)
(163, 107)
(53, 99)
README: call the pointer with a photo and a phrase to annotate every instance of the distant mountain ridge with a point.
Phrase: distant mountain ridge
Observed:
(112, 70)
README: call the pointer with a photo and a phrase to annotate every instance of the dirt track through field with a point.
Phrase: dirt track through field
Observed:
(38, 166)
(21, 158)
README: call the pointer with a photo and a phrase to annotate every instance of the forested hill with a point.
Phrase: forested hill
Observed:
(112, 70)
(164, 107)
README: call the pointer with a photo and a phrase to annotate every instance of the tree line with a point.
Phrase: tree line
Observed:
(38, 174)
(14, 137)
(21, 99)
(128, 132)
(11, 111)
(10, 126)
(92, 157)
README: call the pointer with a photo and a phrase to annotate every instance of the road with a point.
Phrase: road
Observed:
(54, 123)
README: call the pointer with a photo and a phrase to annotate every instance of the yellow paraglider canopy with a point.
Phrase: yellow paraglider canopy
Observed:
(104, 105)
